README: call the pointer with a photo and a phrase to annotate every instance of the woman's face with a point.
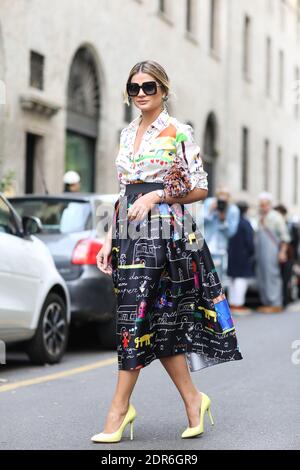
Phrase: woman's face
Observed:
(147, 102)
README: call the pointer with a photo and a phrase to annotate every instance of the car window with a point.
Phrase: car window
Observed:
(57, 216)
(7, 221)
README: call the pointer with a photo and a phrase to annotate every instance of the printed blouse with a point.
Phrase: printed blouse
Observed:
(164, 141)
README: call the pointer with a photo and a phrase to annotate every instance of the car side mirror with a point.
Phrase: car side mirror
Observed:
(31, 225)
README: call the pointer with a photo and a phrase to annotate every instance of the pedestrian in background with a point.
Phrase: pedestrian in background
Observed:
(240, 262)
(292, 255)
(221, 218)
(71, 182)
(271, 242)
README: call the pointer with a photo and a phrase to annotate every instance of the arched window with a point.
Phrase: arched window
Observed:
(83, 112)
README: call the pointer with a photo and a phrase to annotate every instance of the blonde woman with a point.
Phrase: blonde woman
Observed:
(171, 305)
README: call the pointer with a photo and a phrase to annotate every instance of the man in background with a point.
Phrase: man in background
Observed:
(240, 262)
(71, 182)
(271, 243)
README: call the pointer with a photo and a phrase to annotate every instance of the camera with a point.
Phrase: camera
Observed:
(221, 205)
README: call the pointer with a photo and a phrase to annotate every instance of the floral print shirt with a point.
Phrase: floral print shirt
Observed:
(161, 142)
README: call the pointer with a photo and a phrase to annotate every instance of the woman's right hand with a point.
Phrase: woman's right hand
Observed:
(104, 258)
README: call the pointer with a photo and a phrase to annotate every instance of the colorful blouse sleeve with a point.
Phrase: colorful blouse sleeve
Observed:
(189, 151)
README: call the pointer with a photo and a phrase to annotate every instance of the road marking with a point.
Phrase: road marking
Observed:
(57, 375)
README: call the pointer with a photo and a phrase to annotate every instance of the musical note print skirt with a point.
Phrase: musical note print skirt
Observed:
(169, 296)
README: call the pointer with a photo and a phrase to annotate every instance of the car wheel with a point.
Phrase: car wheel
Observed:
(50, 340)
(106, 333)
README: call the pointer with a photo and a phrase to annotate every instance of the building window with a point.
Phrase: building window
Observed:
(34, 167)
(298, 20)
(280, 77)
(164, 11)
(245, 157)
(191, 16)
(214, 25)
(162, 6)
(270, 6)
(36, 70)
(282, 14)
(246, 47)
(279, 173)
(188, 15)
(297, 92)
(210, 152)
(268, 66)
(266, 164)
(296, 180)
(83, 114)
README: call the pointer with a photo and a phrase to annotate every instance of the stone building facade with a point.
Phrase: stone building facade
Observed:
(234, 70)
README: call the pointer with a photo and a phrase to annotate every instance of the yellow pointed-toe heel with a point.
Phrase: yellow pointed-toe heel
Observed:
(198, 430)
(117, 435)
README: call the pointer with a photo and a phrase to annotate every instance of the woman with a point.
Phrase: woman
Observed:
(171, 305)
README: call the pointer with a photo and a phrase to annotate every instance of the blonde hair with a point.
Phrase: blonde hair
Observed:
(155, 70)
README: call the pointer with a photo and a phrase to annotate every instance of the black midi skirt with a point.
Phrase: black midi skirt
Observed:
(169, 296)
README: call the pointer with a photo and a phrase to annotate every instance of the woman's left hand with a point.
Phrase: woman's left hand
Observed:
(142, 206)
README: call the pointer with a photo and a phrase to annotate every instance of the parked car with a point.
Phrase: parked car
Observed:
(34, 298)
(73, 228)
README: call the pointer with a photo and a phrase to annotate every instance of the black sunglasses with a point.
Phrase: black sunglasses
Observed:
(149, 88)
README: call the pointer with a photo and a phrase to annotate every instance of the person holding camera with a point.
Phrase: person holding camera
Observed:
(221, 219)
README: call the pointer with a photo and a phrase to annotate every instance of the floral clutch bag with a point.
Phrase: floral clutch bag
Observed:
(176, 180)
